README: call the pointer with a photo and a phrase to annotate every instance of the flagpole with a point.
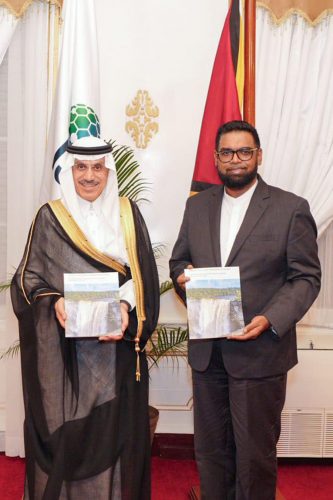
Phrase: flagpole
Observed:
(250, 62)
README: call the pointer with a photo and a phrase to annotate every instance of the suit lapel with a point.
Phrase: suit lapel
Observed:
(257, 207)
(214, 223)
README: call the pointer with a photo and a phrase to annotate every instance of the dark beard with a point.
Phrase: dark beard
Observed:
(238, 182)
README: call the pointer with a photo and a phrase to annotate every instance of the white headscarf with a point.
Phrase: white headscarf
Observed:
(110, 224)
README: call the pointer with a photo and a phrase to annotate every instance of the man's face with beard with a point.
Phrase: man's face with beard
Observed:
(237, 174)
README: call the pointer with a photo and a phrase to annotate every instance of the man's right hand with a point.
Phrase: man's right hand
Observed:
(124, 309)
(182, 279)
(61, 315)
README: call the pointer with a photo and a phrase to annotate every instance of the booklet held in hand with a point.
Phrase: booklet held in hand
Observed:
(214, 302)
(92, 304)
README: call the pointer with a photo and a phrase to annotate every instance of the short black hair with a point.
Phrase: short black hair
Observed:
(238, 125)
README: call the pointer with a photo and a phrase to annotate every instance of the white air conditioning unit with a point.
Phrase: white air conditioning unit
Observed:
(302, 433)
(306, 433)
(328, 434)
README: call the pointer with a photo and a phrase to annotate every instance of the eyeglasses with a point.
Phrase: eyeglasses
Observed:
(243, 154)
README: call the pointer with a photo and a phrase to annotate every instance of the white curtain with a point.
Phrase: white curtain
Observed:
(294, 118)
(8, 24)
(321, 313)
(27, 128)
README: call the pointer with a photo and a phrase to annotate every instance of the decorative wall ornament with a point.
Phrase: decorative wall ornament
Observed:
(142, 112)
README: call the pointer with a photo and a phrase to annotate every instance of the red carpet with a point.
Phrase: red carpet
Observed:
(172, 479)
(306, 481)
(11, 478)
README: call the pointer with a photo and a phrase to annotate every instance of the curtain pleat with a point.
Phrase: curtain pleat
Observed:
(8, 25)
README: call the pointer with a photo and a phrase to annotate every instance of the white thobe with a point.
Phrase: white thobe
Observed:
(96, 228)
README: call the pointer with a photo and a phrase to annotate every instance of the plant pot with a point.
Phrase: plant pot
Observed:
(153, 419)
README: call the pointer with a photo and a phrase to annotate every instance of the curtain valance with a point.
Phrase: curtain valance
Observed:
(312, 10)
(18, 7)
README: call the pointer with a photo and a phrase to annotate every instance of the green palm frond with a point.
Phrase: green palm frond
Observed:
(4, 286)
(166, 286)
(12, 350)
(130, 180)
(158, 249)
(167, 341)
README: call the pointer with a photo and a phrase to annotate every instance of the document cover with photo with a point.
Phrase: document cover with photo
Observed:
(214, 302)
(92, 304)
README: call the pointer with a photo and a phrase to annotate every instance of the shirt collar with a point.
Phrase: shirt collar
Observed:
(243, 198)
(85, 205)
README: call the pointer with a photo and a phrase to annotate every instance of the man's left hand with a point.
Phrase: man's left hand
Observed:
(251, 331)
(124, 325)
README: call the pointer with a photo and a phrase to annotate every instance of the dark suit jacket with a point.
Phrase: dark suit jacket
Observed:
(276, 252)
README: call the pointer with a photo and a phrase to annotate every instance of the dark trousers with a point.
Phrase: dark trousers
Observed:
(237, 425)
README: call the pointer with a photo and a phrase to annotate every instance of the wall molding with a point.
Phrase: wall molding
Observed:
(2, 427)
(2, 441)
(188, 406)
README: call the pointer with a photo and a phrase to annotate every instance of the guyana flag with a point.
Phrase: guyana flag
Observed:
(224, 99)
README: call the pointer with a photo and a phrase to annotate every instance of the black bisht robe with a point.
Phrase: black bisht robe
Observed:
(86, 417)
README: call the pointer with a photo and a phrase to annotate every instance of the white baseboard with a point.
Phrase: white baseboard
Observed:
(2, 427)
(2, 441)
(2, 417)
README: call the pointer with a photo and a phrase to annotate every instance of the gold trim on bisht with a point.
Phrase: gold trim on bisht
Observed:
(79, 239)
(26, 258)
(47, 294)
(18, 7)
(127, 221)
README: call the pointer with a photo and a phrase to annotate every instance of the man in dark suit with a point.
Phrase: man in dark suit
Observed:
(239, 382)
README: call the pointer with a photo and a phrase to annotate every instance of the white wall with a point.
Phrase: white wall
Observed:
(167, 48)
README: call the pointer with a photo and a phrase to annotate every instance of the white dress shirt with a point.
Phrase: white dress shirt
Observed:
(233, 211)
